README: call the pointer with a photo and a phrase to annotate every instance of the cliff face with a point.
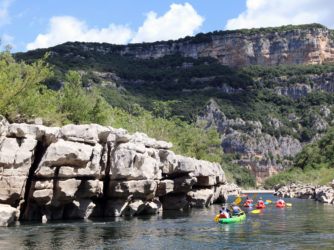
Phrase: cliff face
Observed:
(264, 155)
(83, 171)
(299, 46)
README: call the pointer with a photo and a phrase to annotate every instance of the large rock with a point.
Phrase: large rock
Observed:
(88, 133)
(78, 172)
(201, 197)
(132, 162)
(16, 158)
(179, 185)
(137, 188)
(175, 202)
(85, 159)
(7, 215)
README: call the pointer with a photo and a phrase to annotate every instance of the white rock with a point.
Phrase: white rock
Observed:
(201, 197)
(7, 215)
(137, 188)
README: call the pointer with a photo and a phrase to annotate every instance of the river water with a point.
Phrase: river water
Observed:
(305, 225)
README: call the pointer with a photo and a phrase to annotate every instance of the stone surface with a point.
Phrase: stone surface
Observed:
(7, 215)
(83, 171)
(201, 198)
(319, 193)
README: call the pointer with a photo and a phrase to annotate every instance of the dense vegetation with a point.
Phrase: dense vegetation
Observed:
(314, 164)
(23, 94)
(193, 82)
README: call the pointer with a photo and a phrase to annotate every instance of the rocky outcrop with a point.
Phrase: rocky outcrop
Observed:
(83, 171)
(301, 45)
(313, 82)
(264, 155)
(319, 193)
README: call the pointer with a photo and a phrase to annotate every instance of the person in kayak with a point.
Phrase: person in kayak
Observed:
(248, 201)
(224, 212)
(280, 201)
(260, 202)
(236, 210)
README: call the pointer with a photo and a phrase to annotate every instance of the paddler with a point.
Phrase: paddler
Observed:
(260, 202)
(224, 212)
(249, 200)
(236, 210)
(280, 201)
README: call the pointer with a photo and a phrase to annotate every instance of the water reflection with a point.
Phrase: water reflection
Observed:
(293, 228)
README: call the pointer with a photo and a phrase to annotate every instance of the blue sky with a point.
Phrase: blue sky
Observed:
(43, 23)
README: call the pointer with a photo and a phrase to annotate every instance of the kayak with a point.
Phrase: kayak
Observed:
(258, 206)
(234, 219)
(248, 204)
(280, 205)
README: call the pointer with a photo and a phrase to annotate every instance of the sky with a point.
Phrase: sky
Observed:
(28, 25)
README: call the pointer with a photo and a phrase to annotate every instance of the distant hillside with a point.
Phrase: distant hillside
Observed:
(264, 114)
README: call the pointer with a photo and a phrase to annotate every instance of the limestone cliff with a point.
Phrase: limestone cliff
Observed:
(81, 171)
(264, 155)
(308, 44)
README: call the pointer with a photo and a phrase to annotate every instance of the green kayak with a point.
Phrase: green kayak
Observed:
(234, 219)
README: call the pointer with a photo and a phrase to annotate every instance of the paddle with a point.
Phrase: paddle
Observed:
(255, 211)
(269, 201)
(254, 196)
(217, 218)
(266, 203)
(237, 200)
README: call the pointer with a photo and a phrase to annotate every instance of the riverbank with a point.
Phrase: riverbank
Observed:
(319, 193)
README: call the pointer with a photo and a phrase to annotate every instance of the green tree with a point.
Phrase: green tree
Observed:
(22, 91)
(80, 105)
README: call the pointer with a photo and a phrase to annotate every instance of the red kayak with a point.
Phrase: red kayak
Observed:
(259, 206)
(280, 205)
(246, 204)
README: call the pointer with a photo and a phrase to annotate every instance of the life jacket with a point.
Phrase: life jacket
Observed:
(223, 215)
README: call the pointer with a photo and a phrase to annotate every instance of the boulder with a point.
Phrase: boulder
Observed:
(7, 215)
(175, 202)
(79, 209)
(87, 133)
(179, 185)
(16, 158)
(150, 142)
(220, 194)
(115, 207)
(144, 189)
(130, 164)
(135, 207)
(201, 198)
(85, 159)
(153, 207)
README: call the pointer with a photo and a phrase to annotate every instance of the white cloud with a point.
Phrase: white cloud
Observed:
(265, 13)
(179, 21)
(66, 28)
(4, 15)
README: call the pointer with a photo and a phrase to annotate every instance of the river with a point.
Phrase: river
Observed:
(305, 225)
